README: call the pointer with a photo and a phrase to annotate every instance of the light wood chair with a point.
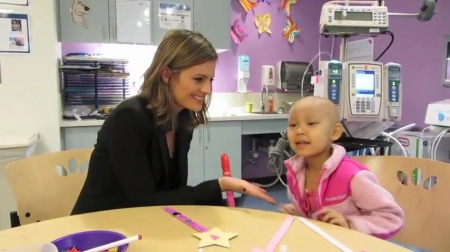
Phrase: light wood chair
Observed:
(422, 188)
(47, 186)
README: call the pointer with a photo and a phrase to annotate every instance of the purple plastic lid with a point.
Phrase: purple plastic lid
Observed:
(89, 239)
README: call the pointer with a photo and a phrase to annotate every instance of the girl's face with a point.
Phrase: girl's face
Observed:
(309, 132)
(312, 126)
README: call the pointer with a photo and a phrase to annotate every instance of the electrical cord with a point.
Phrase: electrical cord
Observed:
(307, 68)
(395, 141)
(421, 137)
(332, 47)
(392, 134)
(320, 43)
(436, 141)
(423, 131)
(390, 33)
(276, 155)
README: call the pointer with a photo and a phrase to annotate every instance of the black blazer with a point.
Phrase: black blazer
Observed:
(130, 165)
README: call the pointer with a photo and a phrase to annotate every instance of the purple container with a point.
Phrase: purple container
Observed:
(89, 239)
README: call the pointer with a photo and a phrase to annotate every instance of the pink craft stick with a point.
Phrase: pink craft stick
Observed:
(227, 173)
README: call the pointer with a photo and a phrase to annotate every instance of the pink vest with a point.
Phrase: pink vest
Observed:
(333, 190)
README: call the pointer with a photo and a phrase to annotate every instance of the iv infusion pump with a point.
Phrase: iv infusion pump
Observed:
(363, 90)
(350, 20)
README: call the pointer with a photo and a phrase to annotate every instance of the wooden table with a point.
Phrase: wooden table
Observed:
(162, 232)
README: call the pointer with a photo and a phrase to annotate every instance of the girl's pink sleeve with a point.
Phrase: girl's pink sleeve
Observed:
(381, 215)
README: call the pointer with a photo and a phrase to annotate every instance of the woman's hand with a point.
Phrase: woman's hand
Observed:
(288, 209)
(333, 217)
(244, 187)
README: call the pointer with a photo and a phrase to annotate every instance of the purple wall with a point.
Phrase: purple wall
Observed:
(267, 49)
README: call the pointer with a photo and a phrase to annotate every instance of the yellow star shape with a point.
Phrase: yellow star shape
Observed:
(222, 238)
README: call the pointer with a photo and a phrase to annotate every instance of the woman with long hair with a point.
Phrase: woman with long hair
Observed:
(141, 154)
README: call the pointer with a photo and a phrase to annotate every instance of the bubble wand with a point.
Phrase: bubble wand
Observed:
(227, 173)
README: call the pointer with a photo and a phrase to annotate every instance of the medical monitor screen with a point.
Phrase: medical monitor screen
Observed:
(353, 16)
(365, 83)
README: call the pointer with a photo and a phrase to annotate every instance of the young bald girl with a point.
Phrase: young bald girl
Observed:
(326, 185)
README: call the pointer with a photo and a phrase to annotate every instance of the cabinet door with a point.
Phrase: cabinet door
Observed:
(195, 159)
(79, 137)
(84, 21)
(219, 138)
(178, 8)
(213, 20)
(113, 22)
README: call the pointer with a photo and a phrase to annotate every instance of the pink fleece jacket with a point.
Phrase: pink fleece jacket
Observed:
(351, 189)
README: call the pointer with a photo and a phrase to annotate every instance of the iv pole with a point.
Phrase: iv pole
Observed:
(343, 58)
(426, 13)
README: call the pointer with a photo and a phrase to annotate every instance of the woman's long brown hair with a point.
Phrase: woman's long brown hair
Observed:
(179, 50)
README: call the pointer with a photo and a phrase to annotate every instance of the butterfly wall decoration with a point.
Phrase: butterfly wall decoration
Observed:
(262, 22)
(247, 4)
(238, 34)
(285, 5)
(291, 30)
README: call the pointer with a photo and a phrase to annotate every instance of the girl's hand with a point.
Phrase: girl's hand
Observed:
(244, 187)
(288, 209)
(333, 217)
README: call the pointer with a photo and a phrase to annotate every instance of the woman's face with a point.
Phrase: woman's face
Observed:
(193, 85)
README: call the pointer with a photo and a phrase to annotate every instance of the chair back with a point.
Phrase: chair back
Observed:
(421, 187)
(47, 186)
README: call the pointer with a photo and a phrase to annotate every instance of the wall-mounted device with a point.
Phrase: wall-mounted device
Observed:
(290, 75)
(438, 114)
(268, 75)
(363, 90)
(338, 19)
(243, 73)
(393, 82)
(330, 84)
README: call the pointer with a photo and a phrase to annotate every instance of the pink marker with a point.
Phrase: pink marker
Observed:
(115, 244)
(227, 173)
(188, 221)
